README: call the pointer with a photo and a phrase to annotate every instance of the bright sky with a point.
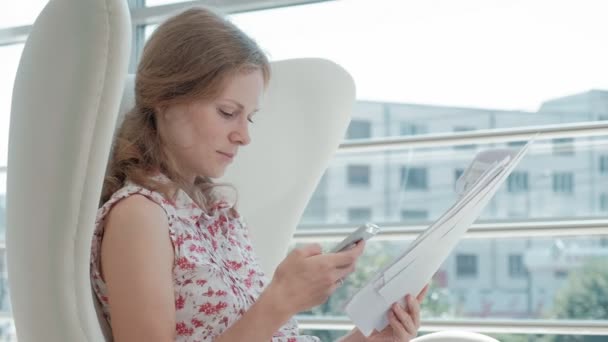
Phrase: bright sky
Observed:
(504, 54)
(511, 54)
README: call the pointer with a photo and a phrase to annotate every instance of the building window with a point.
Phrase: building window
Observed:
(412, 129)
(358, 175)
(517, 182)
(563, 146)
(464, 129)
(359, 129)
(604, 165)
(604, 201)
(410, 215)
(359, 215)
(516, 143)
(2, 215)
(563, 182)
(414, 178)
(516, 266)
(466, 265)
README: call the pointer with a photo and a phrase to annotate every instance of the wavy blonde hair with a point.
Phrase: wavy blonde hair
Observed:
(190, 56)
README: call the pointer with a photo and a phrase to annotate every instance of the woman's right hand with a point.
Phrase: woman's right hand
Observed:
(307, 277)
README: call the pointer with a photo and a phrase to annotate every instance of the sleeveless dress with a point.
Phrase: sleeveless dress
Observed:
(216, 276)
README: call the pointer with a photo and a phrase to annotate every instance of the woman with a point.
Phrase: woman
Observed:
(171, 259)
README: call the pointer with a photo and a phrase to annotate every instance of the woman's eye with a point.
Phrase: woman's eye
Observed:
(224, 113)
(250, 119)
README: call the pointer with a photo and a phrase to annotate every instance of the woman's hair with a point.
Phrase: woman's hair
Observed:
(189, 57)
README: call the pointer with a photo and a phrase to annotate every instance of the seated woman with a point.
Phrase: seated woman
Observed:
(171, 259)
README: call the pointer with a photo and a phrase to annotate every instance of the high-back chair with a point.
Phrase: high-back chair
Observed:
(65, 106)
(66, 99)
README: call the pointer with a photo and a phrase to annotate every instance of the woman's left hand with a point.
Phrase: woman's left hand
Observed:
(403, 322)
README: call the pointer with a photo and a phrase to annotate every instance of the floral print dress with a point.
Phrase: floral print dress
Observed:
(216, 277)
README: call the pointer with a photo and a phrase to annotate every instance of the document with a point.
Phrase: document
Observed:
(413, 269)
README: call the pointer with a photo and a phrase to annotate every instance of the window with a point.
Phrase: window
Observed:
(359, 215)
(2, 215)
(410, 215)
(517, 182)
(412, 129)
(516, 143)
(604, 201)
(563, 146)
(316, 209)
(358, 175)
(604, 164)
(359, 129)
(20, 13)
(466, 265)
(414, 178)
(458, 96)
(563, 182)
(516, 266)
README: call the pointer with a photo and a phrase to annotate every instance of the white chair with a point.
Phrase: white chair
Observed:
(65, 106)
(454, 336)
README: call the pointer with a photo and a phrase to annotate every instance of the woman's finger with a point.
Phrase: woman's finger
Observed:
(346, 258)
(405, 319)
(413, 307)
(398, 328)
(422, 294)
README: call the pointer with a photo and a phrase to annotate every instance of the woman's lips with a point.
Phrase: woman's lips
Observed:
(230, 156)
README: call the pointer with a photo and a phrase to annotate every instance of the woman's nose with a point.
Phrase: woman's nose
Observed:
(241, 134)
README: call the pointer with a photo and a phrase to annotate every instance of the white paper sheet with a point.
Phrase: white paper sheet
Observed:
(414, 268)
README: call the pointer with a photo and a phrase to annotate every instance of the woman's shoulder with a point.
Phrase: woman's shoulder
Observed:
(135, 199)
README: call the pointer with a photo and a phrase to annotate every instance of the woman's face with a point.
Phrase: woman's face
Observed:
(204, 136)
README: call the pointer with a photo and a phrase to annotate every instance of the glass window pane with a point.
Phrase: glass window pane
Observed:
(527, 278)
(359, 129)
(2, 205)
(161, 2)
(423, 179)
(18, 13)
(429, 65)
(9, 59)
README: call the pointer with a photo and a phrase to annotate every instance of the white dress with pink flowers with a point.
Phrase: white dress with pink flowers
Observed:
(216, 277)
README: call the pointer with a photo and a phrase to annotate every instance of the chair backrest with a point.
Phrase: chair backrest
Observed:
(65, 102)
(65, 106)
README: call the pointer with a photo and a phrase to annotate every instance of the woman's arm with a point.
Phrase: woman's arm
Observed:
(137, 266)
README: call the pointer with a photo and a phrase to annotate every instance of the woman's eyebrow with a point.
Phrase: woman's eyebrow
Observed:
(239, 105)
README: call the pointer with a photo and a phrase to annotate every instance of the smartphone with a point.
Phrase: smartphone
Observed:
(364, 232)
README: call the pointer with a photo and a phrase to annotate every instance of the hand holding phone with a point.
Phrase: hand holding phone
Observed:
(364, 232)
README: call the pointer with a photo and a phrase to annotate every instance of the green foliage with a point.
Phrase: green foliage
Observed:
(584, 297)
(586, 294)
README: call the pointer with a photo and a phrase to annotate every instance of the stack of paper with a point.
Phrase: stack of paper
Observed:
(409, 273)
